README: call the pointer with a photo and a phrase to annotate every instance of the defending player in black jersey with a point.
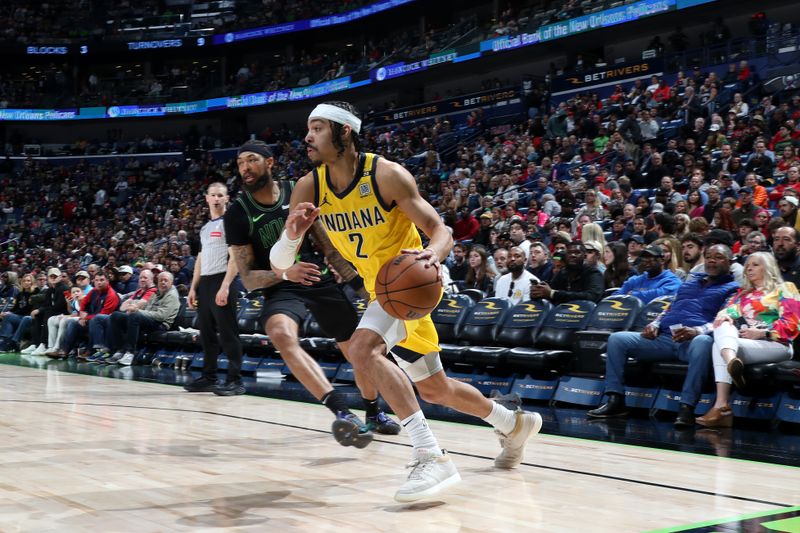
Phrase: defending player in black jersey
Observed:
(252, 225)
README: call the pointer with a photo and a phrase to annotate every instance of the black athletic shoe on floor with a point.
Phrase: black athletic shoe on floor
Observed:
(382, 424)
(685, 418)
(349, 430)
(201, 384)
(613, 408)
(229, 388)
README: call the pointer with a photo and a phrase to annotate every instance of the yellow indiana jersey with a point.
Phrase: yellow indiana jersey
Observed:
(365, 230)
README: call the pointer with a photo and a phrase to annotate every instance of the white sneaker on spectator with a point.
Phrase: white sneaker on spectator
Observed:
(40, 350)
(127, 359)
(29, 350)
(430, 474)
(52, 351)
(116, 357)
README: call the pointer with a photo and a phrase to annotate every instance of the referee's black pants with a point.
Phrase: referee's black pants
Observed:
(218, 328)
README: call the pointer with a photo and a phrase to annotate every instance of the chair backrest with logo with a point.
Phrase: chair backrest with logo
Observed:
(561, 322)
(652, 310)
(483, 321)
(615, 313)
(449, 315)
(522, 323)
(249, 318)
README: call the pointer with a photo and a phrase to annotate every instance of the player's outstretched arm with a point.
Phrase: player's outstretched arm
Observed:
(302, 214)
(397, 186)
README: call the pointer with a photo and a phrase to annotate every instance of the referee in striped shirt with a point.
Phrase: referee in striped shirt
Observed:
(214, 270)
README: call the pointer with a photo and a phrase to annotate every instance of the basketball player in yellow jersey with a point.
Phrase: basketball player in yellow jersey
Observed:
(371, 209)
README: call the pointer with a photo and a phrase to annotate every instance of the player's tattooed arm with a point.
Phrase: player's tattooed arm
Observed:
(252, 279)
(323, 242)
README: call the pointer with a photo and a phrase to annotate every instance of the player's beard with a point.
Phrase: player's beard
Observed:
(260, 183)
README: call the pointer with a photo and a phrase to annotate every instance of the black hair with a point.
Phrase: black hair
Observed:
(521, 223)
(666, 221)
(337, 129)
(577, 242)
(695, 238)
(256, 146)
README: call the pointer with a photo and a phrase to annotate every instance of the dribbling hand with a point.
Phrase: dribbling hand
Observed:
(300, 219)
(428, 257)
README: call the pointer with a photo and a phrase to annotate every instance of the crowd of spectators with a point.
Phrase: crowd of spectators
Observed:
(182, 79)
(65, 21)
(624, 194)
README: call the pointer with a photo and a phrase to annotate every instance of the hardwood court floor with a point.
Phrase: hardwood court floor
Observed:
(83, 453)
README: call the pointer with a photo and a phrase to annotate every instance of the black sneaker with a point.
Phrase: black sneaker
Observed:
(201, 384)
(685, 418)
(230, 388)
(613, 408)
(349, 430)
(382, 424)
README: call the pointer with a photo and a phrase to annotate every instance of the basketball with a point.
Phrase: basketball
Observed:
(406, 289)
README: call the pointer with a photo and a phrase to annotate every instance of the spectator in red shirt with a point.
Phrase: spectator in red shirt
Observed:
(792, 181)
(466, 227)
(101, 300)
(661, 94)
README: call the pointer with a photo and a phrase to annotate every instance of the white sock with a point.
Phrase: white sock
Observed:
(420, 434)
(502, 419)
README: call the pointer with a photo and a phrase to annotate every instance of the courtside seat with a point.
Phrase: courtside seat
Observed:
(184, 319)
(361, 306)
(314, 340)
(479, 327)
(519, 329)
(248, 319)
(555, 341)
(651, 311)
(449, 316)
(251, 332)
(755, 376)
(475, 294)
(614, 313)
(760, 374)
(788, 372)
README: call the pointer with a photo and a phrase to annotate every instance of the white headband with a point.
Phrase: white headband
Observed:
(336, 114)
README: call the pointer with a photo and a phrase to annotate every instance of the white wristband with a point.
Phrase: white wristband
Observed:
(284, 277)
(282, 254)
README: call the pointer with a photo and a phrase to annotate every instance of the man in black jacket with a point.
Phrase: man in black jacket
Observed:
(54, 303)
(574, 282)
(784, 243)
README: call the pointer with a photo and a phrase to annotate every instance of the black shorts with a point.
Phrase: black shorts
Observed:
(335, 314)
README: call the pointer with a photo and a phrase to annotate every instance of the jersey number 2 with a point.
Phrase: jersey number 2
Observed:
(359, 240)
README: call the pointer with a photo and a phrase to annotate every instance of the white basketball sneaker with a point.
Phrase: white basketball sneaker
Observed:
(40, 350)
(430, 474)
(127, 359)
(513, 444)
